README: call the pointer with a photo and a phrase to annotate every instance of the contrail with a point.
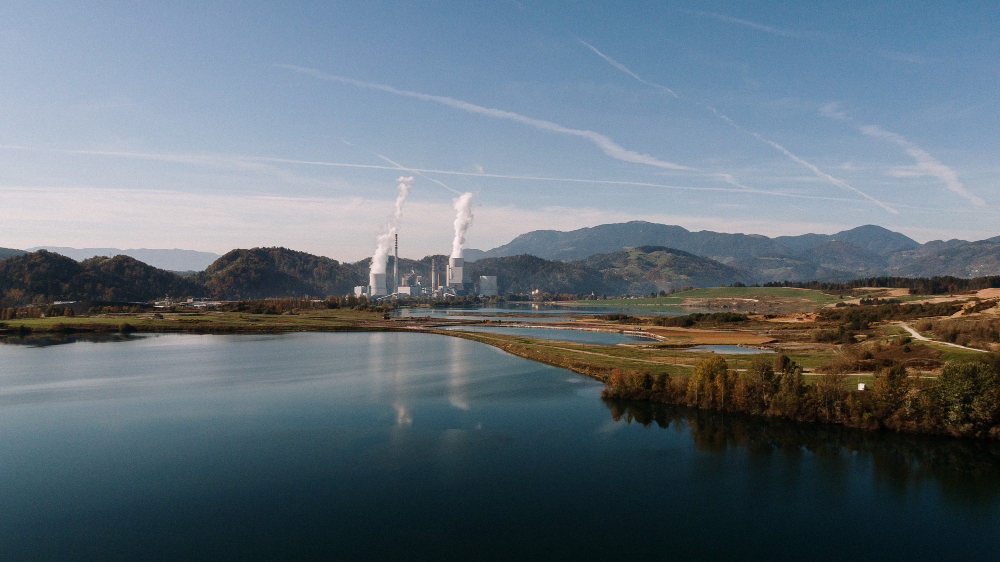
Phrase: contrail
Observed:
(248, 161)
(927, 165)
(626, 70)
(728, 178)
(815, 170)
(605, 143)
(402, 167)
(723, 177)
(839, 183)
(747, 23)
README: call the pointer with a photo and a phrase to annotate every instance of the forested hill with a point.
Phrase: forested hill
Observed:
(276, 272)
(8, 252)
(525, 273)
(654, 268)
(865, 251)
(43, 276)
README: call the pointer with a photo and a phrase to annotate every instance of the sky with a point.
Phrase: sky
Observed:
(215, 125)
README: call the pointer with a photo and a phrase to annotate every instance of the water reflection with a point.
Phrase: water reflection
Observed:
(966, 471)
(49, 340)
(457, 384)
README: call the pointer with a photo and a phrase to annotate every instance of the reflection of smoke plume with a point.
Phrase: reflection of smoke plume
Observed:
(463, 218)
(403, 415)
(384, 240)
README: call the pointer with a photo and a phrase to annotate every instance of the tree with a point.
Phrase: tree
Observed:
(889, 389)
(788, 398)
(969, 397)
(702, 389)
(760, 384)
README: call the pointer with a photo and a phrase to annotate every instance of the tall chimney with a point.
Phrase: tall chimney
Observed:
(395, 265)
(433, 284)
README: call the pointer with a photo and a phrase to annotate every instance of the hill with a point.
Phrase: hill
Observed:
(608, 238)
(864, 251)
(42, 276)
(8, 252)
(956, 258)
(655, 268)
(525, 273)
(171, 260)
(276, 272)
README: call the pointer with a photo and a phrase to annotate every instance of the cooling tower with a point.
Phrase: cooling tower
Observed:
(377, 282)
(456, 272)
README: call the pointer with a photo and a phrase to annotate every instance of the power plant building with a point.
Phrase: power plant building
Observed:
(488, 286)
(376, 282)
(456, 274)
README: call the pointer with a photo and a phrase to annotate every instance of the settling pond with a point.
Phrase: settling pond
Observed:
(398, 446)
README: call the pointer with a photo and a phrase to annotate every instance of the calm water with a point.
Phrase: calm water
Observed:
(414, 446)
(579, 336)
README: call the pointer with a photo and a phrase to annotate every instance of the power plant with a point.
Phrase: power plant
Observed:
(456, 282)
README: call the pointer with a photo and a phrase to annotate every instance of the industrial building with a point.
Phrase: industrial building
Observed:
(488, 286)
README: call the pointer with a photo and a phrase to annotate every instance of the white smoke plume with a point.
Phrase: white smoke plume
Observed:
(384, 241)
(463, 218)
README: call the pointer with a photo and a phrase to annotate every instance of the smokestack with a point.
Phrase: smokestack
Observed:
(395, 265)
(433, 279)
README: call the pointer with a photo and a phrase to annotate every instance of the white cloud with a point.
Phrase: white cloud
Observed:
(833, 111)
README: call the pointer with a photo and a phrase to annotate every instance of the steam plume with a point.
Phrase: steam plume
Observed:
(384, 240)
(463, 218)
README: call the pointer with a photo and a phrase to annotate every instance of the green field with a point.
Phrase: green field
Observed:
(676, 299)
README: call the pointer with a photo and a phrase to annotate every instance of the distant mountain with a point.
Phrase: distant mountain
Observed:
(788, 268)
(655, 268)
(871, 238)
(44, 275)
(859, 252)
(846, 257)
(276, 272)
(955, 257)
(171, 260)
(8, 252)
(607, 238)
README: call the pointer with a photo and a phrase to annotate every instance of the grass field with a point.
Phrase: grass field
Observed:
(756, 293)
(811, 297)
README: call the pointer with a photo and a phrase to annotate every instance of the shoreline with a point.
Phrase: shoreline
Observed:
(609, 364)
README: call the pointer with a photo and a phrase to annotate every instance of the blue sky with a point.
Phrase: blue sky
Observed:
(211, 126)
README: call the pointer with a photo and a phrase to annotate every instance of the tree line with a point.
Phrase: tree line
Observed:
(963, 401)
(940, 285)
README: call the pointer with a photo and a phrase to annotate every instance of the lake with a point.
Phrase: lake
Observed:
(415, 446)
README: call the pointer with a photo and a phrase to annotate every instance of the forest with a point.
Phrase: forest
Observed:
(963, 401)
